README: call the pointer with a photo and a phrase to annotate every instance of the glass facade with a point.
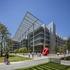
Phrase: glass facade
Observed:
(35, 35)
(39, 39)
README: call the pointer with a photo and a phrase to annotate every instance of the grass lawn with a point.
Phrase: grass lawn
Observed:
(47, 66)
(14, 58)
(1, 59)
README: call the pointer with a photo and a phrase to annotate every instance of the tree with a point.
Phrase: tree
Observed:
(60, 49)
(10, 44)
(68, 44)
(4, 34)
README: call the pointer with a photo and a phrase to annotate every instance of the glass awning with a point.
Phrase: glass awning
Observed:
(26, 26)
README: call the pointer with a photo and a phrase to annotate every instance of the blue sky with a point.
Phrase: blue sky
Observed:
(13, 11)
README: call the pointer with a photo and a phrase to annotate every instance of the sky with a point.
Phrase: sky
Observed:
(13, 11)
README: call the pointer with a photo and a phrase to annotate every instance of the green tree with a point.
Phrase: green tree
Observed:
(68, 43)
(10, 44)
(60, 49)
(4, 34)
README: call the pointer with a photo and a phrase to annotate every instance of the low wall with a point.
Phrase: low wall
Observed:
(64, 62)
(55, 60)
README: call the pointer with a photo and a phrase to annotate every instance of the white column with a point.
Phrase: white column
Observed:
(44, 36)
(33, 37)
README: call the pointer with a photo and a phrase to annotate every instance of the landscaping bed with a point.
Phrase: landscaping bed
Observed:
(65, 58)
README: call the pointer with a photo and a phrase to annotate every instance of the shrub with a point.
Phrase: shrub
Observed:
(23, 50)
(16, 51)
(65, 58)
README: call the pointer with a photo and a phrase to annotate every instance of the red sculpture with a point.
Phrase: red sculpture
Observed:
(45, 51)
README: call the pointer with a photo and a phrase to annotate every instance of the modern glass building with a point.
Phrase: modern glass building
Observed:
(41, 39)
(35, 35)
